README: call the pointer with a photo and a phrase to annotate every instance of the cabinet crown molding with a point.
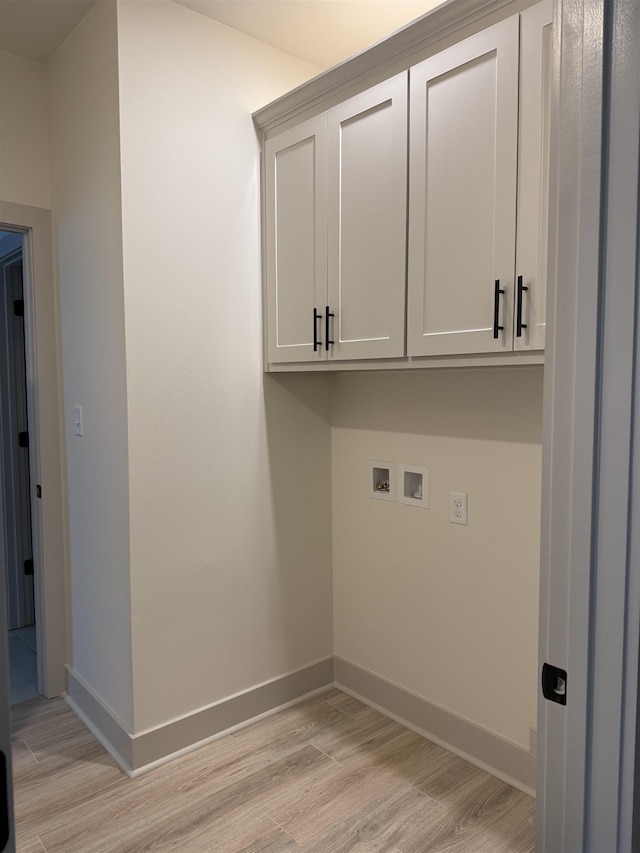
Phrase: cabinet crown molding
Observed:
(444, 25)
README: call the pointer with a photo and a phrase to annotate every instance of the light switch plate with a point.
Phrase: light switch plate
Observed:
(78, 427)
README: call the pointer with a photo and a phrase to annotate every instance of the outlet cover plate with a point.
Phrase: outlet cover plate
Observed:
(458, 507)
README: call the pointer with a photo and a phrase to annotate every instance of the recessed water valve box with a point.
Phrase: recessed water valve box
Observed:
(382, 485)
(413, 485)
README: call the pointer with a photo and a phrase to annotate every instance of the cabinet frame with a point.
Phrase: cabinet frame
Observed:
(536, 47)
(434, 32)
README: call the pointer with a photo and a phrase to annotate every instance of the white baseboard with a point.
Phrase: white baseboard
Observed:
(138, 753)
(501, 757)
(100, 720)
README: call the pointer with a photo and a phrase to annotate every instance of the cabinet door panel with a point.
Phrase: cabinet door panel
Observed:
(296, 240)
(462, 200)
(367, 186)
(533, 170)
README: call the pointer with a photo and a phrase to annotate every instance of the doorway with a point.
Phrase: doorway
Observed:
(33, 225)
(16, 484)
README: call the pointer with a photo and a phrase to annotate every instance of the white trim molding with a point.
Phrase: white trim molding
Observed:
(143, 751)
(101, 720)
(590, 572)
(436, 30)
(501, 757)
(46, 452)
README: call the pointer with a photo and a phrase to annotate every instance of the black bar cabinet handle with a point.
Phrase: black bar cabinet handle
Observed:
(519, 324)
(327, 316)
(316, 343)
(496, 309)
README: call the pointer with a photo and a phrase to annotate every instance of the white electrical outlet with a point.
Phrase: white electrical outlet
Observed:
(458, 507)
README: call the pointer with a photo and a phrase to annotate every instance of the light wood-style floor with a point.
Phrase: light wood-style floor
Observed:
(325, 776)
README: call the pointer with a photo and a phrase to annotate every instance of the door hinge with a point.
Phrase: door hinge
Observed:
(23, 439)
(554, 684)
(28, 566)
(18, 307)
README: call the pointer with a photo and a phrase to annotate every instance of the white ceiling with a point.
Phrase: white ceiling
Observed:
(323, 32)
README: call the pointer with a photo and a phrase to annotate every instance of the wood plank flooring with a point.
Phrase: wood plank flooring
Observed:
(327, 776)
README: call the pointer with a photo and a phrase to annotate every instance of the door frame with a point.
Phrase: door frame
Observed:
(590, 566)
(20, 592)
(46, 442)
(5, 728)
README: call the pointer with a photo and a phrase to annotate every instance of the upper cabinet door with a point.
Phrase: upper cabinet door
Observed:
(462, 201)
(367, 203)
(533, 175)
(296, 242)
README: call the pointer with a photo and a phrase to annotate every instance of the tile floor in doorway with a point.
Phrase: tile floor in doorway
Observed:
(23, 667)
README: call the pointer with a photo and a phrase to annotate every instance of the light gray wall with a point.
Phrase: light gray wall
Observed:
(230, 471)
(449, 612)
(24, 132)
(85, 157)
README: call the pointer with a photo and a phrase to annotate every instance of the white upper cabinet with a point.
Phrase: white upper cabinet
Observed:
(356, 269)
(336, 199)
(536, 35)
(367, 212)
(296, 241)
(462, 198)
